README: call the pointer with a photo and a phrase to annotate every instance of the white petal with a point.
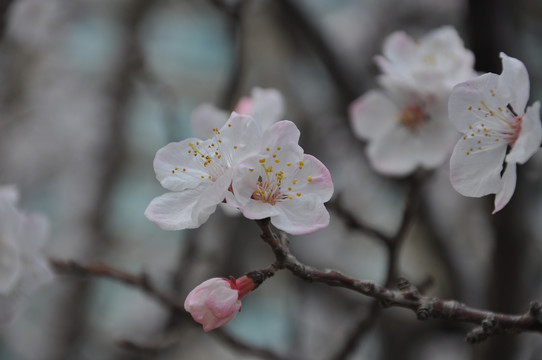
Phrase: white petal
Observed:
(301, 216)
(207, 117)
(478, 173)
(320, 185)
(514, 83)
(187, 209)
(508, 186)
(466, 98)
(284, 135)
(241, 136)
(267, 106)
(170, 161)
(434, 142)
(395, 153)
(372, 115)
(399, 49)
(529, 138)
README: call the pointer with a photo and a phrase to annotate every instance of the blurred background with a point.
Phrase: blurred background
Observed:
(91, 89)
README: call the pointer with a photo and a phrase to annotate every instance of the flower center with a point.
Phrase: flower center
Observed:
(276, 185)
(269, 190)
(412, 116)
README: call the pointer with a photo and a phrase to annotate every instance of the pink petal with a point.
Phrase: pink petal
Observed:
(529, 138)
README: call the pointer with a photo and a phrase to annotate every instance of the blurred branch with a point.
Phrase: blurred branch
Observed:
(143, 283)
(98, 269)
(4, 10)
(234, 14)
(407, 296)
(301, 21)
(393, 244)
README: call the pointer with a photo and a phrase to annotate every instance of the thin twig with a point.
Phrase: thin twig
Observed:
(98, 269)
(301, 21)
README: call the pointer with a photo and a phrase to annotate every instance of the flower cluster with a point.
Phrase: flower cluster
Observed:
(498, 132)
(22, 266)
(262, 172)
(216, 301)
(406, 123)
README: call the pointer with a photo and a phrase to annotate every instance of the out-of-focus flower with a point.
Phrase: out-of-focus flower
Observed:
(406, 124)
(437, 60)
(199, 173)
(22, 266)
(264, 105)
(216, 301)
(490, 111)
(404, 130)
(283, 183)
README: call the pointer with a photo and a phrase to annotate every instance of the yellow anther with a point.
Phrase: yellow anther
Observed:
(278, 148)
(298, 194)
(309, 179)
(250, 170)
(470, 107)
(235, 146)
(290, 197)
(294, 181)
(261, 161)
(289, 164)
(274, 155)
(267, 149)
(277, 161)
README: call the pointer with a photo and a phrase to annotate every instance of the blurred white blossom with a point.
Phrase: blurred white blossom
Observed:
(22, 265)
(264, 105)
(406, 123)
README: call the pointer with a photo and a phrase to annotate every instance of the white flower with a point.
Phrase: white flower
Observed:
(265, 105)
(405, 130)
(199, 173)
(436, 61)
(22, 266)
(490, 111)
(406, 124)
(283, 183)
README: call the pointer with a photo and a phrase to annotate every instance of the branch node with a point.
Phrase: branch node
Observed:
(535, 310)
(482, 332)
(423, 312)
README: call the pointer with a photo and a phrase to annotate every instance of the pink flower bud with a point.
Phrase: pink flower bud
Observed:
(216, 301)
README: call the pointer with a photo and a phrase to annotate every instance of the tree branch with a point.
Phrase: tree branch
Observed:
(407, 296)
